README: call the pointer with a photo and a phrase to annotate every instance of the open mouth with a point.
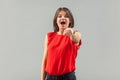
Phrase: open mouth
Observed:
(62, 23)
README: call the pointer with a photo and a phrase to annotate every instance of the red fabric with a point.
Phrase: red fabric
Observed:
(62, 53)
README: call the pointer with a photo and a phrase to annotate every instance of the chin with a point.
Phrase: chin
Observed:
(64, 27)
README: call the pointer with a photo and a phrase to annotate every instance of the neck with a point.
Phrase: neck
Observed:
(60, 32)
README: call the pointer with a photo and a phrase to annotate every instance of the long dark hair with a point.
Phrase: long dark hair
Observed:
(68, 13)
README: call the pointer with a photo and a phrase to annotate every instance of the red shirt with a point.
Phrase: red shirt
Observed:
(62, 53)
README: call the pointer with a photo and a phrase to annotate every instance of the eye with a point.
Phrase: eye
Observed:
(59, 16)
(66, 16)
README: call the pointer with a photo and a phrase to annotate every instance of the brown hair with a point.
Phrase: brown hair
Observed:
(69, 14)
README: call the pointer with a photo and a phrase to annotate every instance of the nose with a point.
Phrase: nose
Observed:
(63, 17)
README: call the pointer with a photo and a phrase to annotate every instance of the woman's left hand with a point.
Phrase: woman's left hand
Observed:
(74, 35)
(68, 31)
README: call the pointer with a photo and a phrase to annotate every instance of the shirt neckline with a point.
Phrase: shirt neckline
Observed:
(59, 34)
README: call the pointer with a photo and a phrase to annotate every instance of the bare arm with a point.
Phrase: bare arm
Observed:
(44, 60)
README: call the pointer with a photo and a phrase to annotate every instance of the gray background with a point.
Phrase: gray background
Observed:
(24, 24)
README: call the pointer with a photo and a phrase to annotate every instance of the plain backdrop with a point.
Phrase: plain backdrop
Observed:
(24, 24)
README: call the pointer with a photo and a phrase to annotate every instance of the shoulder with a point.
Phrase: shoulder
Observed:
(51, 33)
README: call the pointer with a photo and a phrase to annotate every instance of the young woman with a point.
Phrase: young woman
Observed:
(61, 46)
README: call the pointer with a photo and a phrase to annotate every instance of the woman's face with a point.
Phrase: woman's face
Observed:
(63, 20)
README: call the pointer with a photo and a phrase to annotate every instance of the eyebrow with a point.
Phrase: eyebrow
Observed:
(59, 14)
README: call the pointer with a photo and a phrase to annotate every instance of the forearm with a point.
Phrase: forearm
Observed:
(43, 73)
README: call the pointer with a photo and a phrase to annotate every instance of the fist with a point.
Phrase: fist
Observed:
(68, 31)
